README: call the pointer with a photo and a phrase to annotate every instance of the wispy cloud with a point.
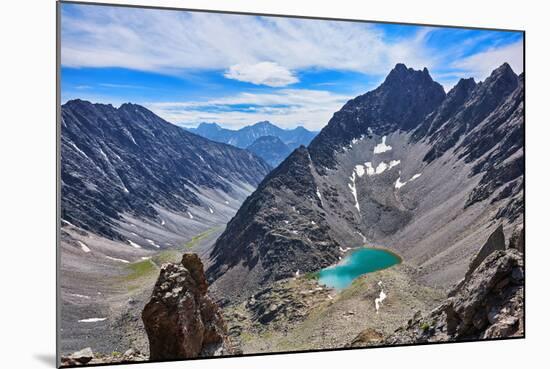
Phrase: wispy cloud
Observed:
(168, 41)
(480, 65)
(285, 107)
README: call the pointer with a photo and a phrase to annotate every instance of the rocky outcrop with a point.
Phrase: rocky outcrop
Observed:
(87, 357)
(368, 337)
(517, 240)
(488, 304)
(81, 357)
(181, 320)
(495, 242)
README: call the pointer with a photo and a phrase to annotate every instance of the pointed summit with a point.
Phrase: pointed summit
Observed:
(401, 74)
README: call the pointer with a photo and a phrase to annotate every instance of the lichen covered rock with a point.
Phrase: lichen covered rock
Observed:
(180, 319)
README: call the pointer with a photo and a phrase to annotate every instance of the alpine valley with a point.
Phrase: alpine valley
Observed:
(435, 179)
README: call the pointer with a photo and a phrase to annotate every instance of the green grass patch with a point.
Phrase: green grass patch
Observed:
(167, 256)
(140, 269)
(197, 238)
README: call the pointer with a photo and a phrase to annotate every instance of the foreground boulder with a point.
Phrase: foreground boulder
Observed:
(487, 304)
(180, 319)
(81, 357)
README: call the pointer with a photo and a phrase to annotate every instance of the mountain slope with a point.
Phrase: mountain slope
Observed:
(126, 166)
(245, 136)
(271, 149)
(405, 166)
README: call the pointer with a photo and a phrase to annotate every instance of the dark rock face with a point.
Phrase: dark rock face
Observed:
(310, 206)
(517, 240)
(180, 319)
(271, 149)
(260, 237)
(246, 136)
(487, 304)
(400, 103)
(128, 160)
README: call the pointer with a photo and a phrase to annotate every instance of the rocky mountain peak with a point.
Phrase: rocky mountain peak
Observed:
(502, 80)
(400, 74)
(212, 125)
(400, 103)
(263, 123)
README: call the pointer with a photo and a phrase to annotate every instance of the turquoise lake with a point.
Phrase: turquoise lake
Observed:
(355, 264)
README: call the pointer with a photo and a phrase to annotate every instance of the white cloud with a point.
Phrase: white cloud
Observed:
(481, 65)
(264, 73)
(284, 107)
(170, 41)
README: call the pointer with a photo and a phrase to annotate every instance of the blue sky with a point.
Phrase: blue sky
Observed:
(192, 67)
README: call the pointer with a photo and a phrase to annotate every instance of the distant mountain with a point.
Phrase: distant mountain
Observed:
(125, 169)
(245, 136)
(271, 149)
(406, 166)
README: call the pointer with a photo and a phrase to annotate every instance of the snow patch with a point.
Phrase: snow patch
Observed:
(68, 223)
(380, 298)
(79, 296)
(353, 189)
(190, 215)
(360, 170)
(83, 246)
(152, 243)
(399, 184)
(117, 259)
(362, 236)
(91, 320)
(162, 222)
(133, 244)
(382, 147)
(381, 168)
(319, 195)
(370, 169)
(210, 210)
(393, 163)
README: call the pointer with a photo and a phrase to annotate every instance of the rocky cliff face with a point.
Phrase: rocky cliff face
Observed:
(406, 166)
(181, 320)
(126, 165)
(488, 303)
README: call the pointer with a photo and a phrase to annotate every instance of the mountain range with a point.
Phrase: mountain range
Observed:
(125, 168)
(271, 149)
(253, 137)
(424, 173)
